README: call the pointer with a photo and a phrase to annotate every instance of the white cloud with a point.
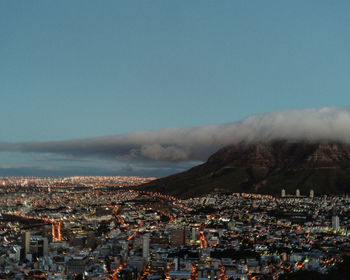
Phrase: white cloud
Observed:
(198, 143)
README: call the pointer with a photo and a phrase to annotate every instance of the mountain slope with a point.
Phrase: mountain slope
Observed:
(265, 168)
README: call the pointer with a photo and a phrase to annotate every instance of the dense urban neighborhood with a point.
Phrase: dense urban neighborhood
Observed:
(105, 228)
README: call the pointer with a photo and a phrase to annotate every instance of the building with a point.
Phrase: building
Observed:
(335, 220)
(194, 235)
(76, 265)
(128, 273)
(26, 242)
(312, 194)
(145, 246)
(297, 193)
(335, 223)
(283, 193)
(42, 247)
(204, 254)
(178, 237)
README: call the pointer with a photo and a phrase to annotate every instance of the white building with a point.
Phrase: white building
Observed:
(283, 193)
(312, 194)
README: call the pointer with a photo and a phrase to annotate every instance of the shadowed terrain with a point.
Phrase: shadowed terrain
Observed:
(265, 168)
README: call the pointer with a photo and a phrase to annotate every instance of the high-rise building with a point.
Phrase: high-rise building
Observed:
(335, 220)
(312, 194)
(176, 264)
(297, 193)
(26, 242)
(145, 246)
(335, 223)
(43, 247)
(283, 193)
(194, 235)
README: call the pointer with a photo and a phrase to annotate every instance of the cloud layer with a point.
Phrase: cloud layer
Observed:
(198, 143)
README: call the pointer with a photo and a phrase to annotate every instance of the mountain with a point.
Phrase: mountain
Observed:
(265, 168)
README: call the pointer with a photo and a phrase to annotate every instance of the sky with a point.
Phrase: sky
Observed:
(81, 71)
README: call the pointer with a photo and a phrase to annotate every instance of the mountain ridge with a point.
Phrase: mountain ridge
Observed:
(265, 167)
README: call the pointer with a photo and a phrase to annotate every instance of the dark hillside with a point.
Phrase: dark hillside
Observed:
(265, 168)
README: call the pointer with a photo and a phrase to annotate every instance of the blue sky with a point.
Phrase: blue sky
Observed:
(80, 69)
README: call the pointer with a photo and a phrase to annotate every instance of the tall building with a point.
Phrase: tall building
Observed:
(194, 235)
(176, 264)
(26, 242)
(335, 220)
(43, 247)
(312, 194)
(335, 223)
(283, 193)
(297, 193)
(145, 246)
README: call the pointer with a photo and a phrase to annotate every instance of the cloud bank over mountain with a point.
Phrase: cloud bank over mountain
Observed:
(198, 143)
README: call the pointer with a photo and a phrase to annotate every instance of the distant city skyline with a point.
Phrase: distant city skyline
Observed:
(79, 70)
